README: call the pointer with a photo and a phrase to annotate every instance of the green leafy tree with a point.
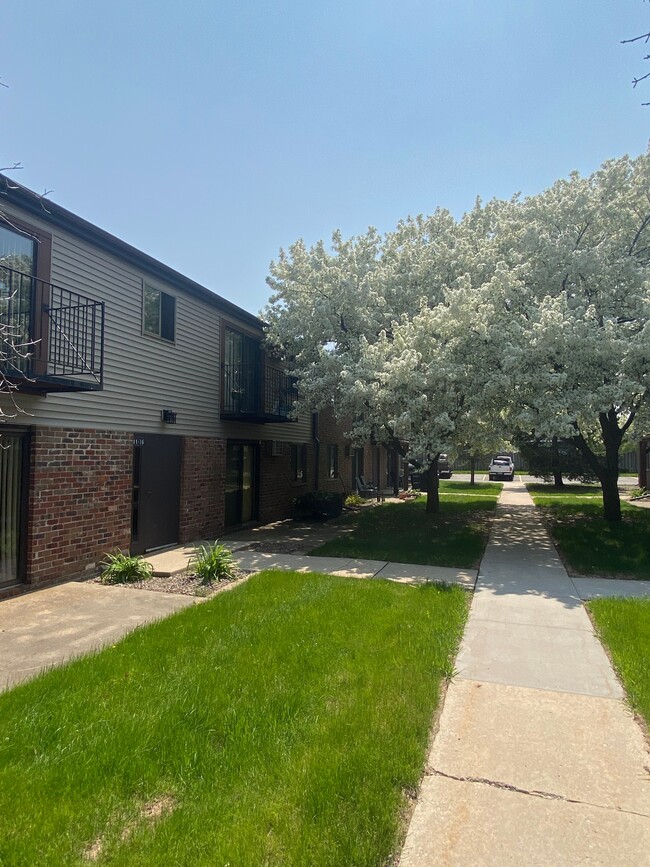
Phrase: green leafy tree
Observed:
(553, 459)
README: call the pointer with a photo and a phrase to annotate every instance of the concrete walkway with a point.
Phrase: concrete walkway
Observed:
(537, 760)
(176, 560)
(50, 626)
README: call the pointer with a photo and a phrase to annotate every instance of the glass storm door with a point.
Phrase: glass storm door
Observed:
(241, 483)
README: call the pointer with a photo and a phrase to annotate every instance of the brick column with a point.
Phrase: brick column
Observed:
(79, 504)
(203, 477)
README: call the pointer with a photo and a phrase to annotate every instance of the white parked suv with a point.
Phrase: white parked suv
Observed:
(502, 468)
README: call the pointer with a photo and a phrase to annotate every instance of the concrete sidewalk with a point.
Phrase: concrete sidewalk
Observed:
(176, 560)
(537, 760)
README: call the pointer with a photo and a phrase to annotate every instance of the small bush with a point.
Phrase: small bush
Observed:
(212, 562)
(354, 500)
(123, 569)
(320, 505)
(635, 493)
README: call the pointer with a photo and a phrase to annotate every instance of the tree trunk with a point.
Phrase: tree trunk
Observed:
(558, 481)
(606, 469)
(612, 437)
(433, 487)
(472, 469)
(611, 497)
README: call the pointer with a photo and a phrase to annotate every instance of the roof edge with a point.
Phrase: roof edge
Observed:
(26, 199)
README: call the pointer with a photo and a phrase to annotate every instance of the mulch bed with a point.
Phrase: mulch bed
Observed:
(184, 583)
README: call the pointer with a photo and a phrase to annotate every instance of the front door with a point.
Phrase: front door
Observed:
(156, 491)
(242, 461)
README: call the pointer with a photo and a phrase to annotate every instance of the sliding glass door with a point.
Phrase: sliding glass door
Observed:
(13, 454)
(241, 483)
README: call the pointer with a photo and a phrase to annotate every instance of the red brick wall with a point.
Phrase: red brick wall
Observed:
(203, 475)
(277, 490)
(331, 433)
(79, 501)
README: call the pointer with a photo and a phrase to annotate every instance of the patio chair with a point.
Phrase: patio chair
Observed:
(365, 488)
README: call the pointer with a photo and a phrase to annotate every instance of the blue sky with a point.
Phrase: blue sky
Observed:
(210, 133)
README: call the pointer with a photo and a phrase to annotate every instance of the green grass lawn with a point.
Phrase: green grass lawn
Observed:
(404, 533)
(282, 723)
(624, 626)
(588, 543)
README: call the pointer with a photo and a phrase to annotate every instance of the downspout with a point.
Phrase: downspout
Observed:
(314, 435)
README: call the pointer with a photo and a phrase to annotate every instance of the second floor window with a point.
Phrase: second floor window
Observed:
(17, 251)
(159, 313)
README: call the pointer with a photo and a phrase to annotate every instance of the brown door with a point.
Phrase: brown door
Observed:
(156, 491)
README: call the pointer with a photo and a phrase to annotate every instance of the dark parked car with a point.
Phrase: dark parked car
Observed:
(419, 476)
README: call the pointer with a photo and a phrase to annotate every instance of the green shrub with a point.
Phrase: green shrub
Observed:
(119, 568)
(354, 500)
(212, 562)
(319, 505)
(635, 493)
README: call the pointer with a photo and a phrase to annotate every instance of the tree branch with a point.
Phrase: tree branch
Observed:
(645, 36)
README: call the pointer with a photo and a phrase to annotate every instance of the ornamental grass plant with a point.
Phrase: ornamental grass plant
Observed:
(212, 562)
(119, 568)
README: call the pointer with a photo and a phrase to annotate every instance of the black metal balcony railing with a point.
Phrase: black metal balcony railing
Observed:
(53, 337)
(257, 393)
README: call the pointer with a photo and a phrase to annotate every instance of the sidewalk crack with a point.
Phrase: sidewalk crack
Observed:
(379, 571)
(534, 793)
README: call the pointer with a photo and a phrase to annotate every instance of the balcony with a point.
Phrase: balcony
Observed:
(54, 338)
(257, 393)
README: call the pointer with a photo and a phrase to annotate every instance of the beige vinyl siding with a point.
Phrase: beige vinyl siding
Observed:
(142, 374)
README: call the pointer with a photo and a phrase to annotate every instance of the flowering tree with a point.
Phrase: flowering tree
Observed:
(423, 385)
(534, 310)
(377, 327)
(574, 309)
